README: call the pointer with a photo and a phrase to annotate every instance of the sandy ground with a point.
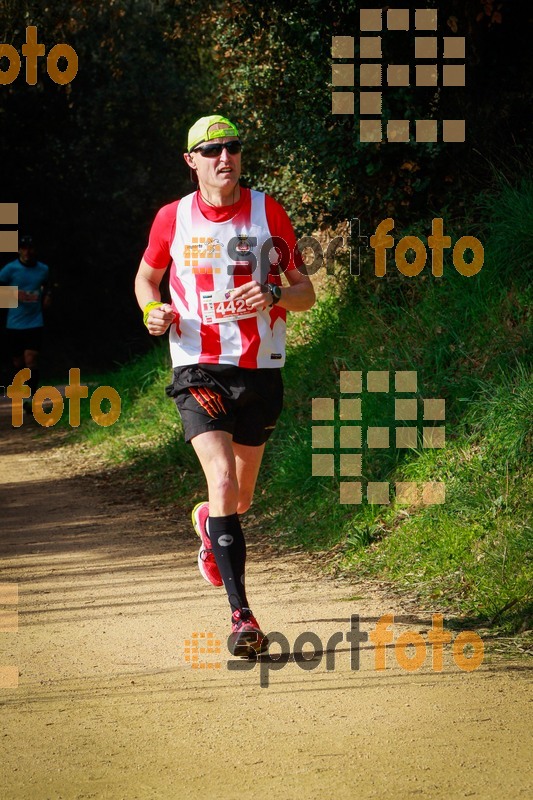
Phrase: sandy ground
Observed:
(109, 706)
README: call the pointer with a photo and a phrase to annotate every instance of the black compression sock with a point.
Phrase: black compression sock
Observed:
(229, 548)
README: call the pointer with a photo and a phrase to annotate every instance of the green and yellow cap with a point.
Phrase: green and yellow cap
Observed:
(200, 130)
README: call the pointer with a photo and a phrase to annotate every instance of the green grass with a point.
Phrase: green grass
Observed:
(469, 339)
(147, 439)
(474, 552)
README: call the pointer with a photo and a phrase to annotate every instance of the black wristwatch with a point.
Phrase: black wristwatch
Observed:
(275, 292)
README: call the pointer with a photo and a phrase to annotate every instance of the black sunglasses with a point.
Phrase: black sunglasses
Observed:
(215, 149)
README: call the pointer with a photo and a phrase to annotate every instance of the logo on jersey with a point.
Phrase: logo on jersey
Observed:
(202, 248)
(243, 245)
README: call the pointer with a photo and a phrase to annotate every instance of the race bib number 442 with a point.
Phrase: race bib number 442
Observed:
(219, 307)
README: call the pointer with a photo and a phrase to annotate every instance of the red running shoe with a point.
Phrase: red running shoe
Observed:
(206, 558)
(247, 639)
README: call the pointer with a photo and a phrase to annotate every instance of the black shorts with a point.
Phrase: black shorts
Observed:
(19, 340)
(222, 397)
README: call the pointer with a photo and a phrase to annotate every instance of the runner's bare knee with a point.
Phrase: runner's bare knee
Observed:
(223, 491)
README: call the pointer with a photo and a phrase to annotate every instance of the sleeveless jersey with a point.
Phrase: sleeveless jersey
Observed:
(209, 260)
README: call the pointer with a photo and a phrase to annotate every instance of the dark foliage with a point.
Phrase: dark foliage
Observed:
(90, 162)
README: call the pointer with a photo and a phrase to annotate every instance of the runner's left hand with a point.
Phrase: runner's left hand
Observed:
(255, 294)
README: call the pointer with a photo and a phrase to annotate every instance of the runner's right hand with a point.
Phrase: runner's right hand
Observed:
(159, 319)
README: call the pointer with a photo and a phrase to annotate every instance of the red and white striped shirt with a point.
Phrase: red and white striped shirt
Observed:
(213, 250)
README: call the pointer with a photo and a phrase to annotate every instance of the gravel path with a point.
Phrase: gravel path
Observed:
(108, 704)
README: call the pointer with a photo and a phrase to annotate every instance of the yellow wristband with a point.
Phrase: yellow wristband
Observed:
(148, 307)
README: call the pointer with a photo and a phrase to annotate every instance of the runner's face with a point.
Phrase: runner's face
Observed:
(221, 172)
(27, 255)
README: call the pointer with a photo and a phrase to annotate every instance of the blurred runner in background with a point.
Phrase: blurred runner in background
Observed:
(25, 324)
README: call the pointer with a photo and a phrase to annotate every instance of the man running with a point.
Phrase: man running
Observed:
(24, 327)
(227, 341)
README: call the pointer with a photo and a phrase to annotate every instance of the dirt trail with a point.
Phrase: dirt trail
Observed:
(108, 707)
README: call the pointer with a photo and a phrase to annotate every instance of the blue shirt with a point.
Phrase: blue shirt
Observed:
(30, 280)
